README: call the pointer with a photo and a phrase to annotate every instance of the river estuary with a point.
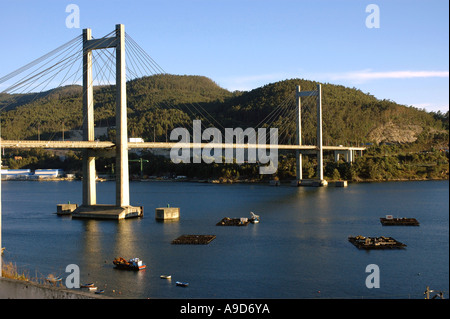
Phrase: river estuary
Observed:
(298, 250)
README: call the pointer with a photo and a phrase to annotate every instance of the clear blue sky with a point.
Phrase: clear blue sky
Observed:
(244, 44)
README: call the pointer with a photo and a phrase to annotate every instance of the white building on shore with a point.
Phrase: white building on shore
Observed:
(27, 174)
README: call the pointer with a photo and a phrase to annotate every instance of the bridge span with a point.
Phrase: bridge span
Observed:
(79, 145)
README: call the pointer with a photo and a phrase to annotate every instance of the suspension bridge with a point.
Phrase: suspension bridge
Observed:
(107, 57)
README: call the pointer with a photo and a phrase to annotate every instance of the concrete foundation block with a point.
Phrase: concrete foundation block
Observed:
(167, 213)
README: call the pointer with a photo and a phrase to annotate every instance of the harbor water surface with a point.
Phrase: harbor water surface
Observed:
(298, 250)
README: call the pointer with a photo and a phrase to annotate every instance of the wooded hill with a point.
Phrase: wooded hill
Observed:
(403, 142)
(160, 103)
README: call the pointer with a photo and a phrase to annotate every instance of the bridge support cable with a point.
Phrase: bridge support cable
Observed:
(284, 116)
(143, 65)
(43, 72)
(149, 65)
(42, 67)
(103, 66)
(285, 122)
(62, 48)
(274, 114)
(140, 65)
(145, 56)
(53, 70)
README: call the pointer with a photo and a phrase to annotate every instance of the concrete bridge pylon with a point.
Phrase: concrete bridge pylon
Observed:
(89, 207)
(319, 181)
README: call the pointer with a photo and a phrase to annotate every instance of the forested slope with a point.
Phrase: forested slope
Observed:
(160, 103)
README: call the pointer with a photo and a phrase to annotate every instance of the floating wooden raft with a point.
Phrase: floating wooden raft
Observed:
(399, 221)
(375, 242)
(193, 240)
(233, 222)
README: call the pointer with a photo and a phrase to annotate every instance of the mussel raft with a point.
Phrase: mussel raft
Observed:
(382, 242)
(193, 240)
(403, 221)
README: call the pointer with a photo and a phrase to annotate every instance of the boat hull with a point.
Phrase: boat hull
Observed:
(130, 267)
(132, 264)
(182, 284)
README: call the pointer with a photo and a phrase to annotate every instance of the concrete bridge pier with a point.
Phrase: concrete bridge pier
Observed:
(348, 155)
(90, 208)
(322, 182)
(319, 181)
(89, 191)
(122, 178)
(298, 157)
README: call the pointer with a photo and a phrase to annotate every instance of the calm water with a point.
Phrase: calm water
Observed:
(299, 250)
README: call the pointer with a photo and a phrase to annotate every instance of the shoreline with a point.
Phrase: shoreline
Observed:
(217, 181)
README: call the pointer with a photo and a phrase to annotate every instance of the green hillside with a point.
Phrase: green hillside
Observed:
(159, 103)
(155, 104)
(399, 135)
(350, 117)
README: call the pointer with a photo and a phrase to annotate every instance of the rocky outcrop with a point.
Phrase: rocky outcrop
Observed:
(394, 133)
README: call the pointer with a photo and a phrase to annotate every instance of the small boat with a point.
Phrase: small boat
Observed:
(92, 288)
(227, 221)
(165, 277)
(87, 285)
(254, 219)
(132, 264)
(100, 292)
(182, 284)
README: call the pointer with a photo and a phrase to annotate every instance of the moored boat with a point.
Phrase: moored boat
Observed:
(254, 218)
(132, 264)
(165, 277)
(182, 284)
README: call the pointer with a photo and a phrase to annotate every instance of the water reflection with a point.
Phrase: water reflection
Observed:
(170, 228)
(90, 239)
(125, 238)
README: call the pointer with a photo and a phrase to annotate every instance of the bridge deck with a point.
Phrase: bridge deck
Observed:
(161, 145)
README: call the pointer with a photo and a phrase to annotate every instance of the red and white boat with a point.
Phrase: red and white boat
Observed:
(132, 264)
